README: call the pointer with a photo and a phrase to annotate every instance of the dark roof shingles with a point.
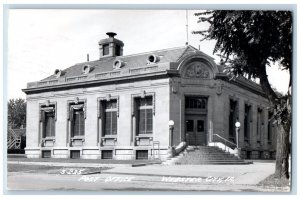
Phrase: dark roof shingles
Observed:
(131, 61)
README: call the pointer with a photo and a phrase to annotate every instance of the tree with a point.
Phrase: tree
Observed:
(250, 41)
(16, 113)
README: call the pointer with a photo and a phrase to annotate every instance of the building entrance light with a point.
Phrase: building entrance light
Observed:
(237, 124)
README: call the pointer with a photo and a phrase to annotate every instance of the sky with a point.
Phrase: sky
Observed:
(41, 40)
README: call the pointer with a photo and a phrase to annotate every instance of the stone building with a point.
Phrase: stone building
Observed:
(118, 107)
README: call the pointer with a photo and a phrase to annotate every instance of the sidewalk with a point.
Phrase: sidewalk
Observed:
(79, 162)
(243, 174)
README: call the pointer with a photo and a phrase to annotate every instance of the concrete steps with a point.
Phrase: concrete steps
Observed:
(206, 155)
(172, 161)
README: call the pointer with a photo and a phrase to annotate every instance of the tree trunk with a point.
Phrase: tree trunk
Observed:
(282, 148)
(266, 87)
(282, 154)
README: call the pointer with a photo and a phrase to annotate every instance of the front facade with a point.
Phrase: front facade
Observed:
(118, 107)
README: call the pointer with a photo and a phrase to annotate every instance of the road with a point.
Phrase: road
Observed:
(111, 182)
(232, 178)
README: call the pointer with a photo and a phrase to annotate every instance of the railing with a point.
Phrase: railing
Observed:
(227, 143)
(107, 74)
(76, 78)
(12, 132)
(143, 69)
(102, 75)
(14, 143)
(13, 140)
(46, 83)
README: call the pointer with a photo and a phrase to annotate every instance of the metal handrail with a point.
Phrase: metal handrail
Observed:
(226, 141)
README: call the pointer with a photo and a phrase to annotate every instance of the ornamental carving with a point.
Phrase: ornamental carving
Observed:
(46, 108)
(219, 87)
(75, 105)
(107, 98)
(198, 70)
(143, 94)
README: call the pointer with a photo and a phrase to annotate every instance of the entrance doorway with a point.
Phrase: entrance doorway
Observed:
(195, 130)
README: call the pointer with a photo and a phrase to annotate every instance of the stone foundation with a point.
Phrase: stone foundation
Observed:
(96, 153)
(257, 154)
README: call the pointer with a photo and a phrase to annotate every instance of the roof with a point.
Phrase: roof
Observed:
(131, 61)
(102, 71)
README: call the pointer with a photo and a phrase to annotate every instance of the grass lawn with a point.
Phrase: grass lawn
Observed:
(271, 181)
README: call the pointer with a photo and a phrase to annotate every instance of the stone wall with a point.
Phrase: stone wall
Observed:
(124, 147)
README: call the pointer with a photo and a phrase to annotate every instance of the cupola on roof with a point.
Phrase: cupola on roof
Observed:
(110, 47)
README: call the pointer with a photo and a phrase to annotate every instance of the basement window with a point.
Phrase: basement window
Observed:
(107, 154)
(142, 154)
(46, 154)
(75, 154)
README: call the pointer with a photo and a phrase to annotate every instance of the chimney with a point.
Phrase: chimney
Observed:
(111, 34)
(110, 47)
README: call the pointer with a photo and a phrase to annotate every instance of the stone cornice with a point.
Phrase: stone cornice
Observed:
(245, 84)
(96, 82)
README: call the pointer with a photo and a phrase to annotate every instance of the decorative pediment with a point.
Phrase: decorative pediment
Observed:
(197, 70)
(143, 94)
(47, 107)
(107, 98)
(76, 104)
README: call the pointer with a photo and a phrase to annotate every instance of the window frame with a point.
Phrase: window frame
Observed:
(144, 107)
(104, 47)
(52, 130)
(247, 123)
(110, 110)
(47, 107)
(233, 117)
(192, 100)
(81, 120)
(101, 137)
(145, 121)
(259, 123)
(270, 126)
(76, 104)
(135, 136)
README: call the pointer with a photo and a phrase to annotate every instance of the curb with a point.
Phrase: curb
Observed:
(149, 174)
(62, 164)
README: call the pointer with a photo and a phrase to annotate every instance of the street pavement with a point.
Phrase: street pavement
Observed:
(228, 178)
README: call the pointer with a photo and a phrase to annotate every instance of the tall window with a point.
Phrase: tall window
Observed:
(259, 123)
(105, 49)
(78, 123)
(232, 119)
(49, 124)
(247, 119)
(77, 119)
(47, 119)
(145, 115)
(110, 117)
(270, 120)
